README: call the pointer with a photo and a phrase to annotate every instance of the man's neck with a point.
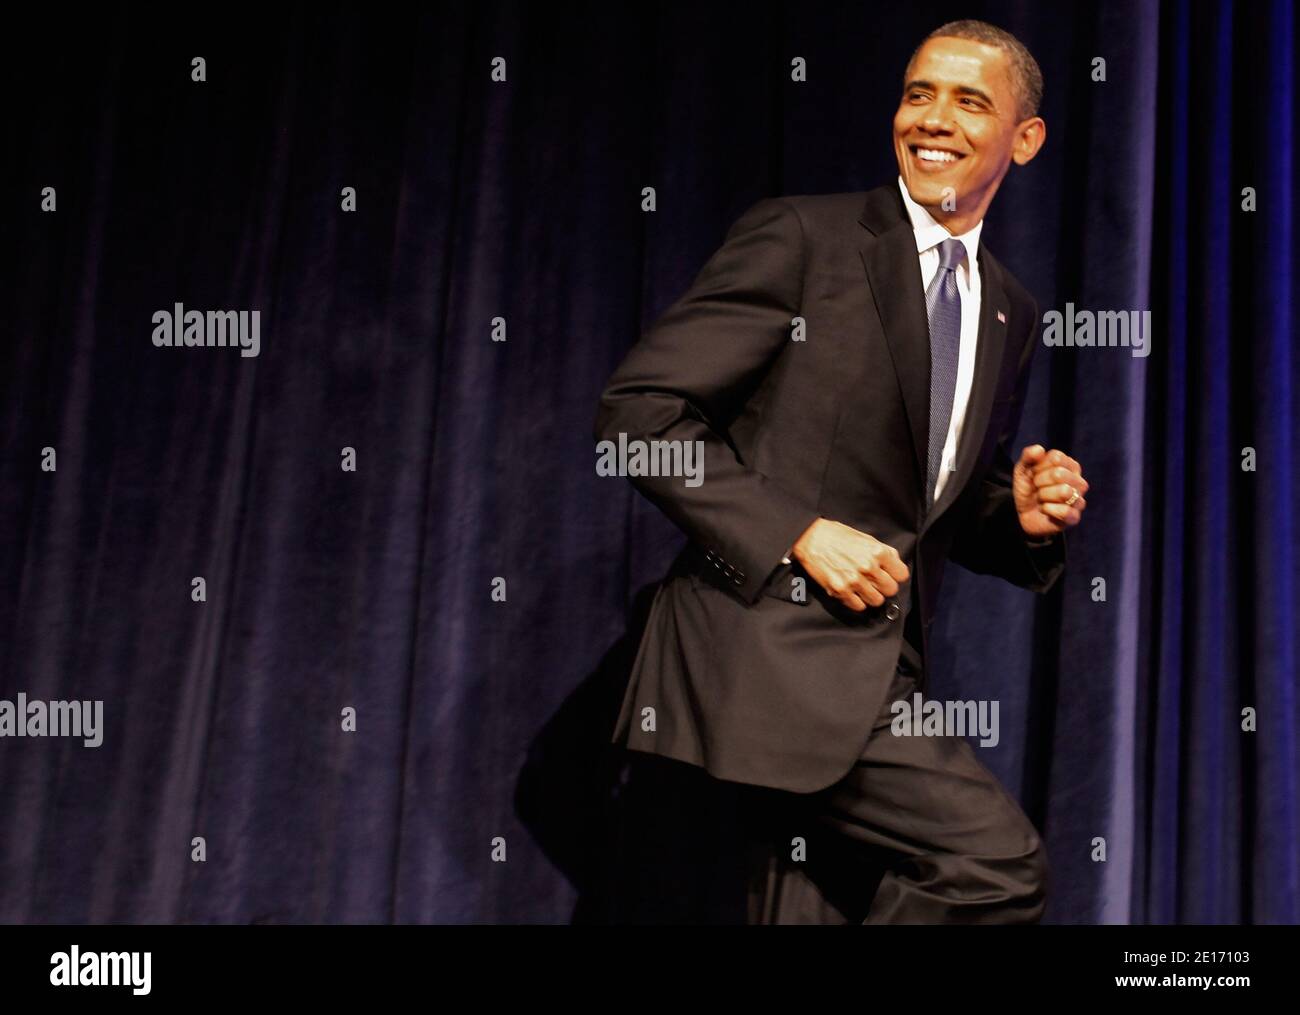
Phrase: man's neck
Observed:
(925, 222)
(956, 222)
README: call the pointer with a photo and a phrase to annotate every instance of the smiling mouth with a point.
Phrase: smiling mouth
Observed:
(932, 159)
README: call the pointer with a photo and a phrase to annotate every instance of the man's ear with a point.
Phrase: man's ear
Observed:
(1030, 135)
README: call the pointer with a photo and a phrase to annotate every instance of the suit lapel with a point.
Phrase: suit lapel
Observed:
(888, 253)
(989, 349)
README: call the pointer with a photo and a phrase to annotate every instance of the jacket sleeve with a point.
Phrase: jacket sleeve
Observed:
(689, 375)
(989, 539)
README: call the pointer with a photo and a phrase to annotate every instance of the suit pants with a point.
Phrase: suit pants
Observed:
(919, 831)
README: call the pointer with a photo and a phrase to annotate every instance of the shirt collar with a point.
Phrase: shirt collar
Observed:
(930, 233)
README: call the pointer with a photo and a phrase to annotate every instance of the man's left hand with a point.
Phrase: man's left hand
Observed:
(1048, 488)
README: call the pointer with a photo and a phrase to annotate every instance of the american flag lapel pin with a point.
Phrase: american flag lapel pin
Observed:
(1002, 318)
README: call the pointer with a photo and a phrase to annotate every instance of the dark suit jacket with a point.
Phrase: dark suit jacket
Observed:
(745, 680)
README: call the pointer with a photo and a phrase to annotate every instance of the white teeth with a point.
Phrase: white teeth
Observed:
(932, 155)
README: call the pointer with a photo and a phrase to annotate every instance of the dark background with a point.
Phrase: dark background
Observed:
(371, 589)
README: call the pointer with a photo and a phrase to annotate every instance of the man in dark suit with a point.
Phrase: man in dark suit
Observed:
(852, 369)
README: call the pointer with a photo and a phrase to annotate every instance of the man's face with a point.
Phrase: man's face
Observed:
(957, 127)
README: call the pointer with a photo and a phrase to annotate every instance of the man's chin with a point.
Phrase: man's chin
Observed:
(930, 193)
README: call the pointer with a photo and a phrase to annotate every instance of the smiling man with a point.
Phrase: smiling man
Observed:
(840, 471)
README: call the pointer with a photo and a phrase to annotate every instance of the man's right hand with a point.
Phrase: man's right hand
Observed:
(856, 569)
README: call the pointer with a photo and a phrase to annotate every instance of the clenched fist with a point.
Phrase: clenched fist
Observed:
(1048, 488)
(856, 569)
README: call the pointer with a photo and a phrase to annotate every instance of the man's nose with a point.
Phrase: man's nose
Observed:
(938, 118)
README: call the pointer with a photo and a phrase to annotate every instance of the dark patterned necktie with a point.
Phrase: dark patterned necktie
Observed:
(943, 308)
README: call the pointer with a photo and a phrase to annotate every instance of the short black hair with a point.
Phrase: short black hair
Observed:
(1026, 77)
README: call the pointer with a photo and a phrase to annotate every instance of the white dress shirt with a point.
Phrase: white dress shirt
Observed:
(929, 234)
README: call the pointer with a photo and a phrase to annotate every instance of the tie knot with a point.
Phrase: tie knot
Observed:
(951, 254)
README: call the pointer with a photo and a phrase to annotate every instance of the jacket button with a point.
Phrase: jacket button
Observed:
(892, 611)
